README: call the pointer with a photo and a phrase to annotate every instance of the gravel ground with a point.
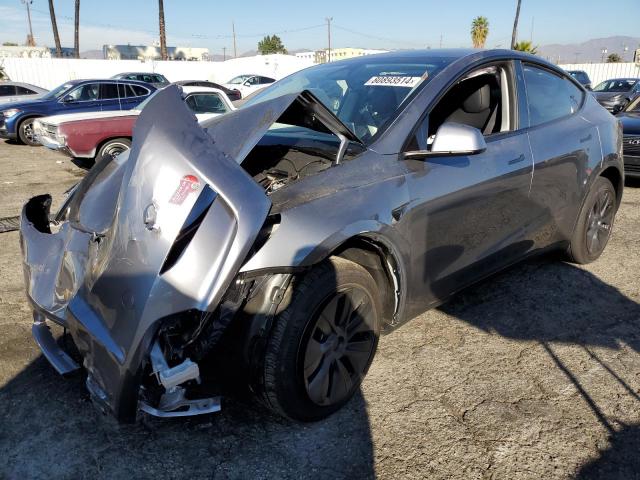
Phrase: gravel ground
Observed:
(534, 373)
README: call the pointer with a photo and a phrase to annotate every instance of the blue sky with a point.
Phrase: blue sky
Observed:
(401, 24)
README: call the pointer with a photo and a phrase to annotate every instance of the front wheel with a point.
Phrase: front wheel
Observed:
(26, 135)
(595, 222)
(323, 343)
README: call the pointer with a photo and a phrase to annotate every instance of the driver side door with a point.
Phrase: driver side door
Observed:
(468, 213)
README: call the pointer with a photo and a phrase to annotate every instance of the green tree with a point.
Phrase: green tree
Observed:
(271, 44)
(479, 31)
(9, 44)
(526, 46)
(614, 58)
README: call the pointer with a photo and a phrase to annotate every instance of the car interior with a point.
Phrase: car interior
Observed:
(481, 99)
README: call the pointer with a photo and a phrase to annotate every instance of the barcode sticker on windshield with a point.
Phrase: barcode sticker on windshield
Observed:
(394, 81)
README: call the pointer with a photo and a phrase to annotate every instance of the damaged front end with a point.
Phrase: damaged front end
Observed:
(141, 263)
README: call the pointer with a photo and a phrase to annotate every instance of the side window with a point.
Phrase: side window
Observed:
(109, 91)
(206, 103)
(139, 91)
(85, 93)
(6, 90)
(265, 80)
(24, 91)
(253, 80)
(549, 96)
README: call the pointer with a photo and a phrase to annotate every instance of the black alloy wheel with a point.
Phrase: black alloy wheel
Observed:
(340, 346)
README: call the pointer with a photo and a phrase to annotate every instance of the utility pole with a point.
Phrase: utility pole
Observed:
(30, 40)
(163, 36)
(440, 40)
(224, 53)
(514, 35)
(233, 29)
(531, 37)
(76, 33)
(329, 19)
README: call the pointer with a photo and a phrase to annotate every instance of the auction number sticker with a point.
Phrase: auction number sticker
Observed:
(394, 81)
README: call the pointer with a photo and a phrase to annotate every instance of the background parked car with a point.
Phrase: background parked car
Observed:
(247, 84)
(233, 94)
(630, 119)
(96, 134)
(17, 91)
(155, 79)
(16, 119)
(617, 93)
(582, 77)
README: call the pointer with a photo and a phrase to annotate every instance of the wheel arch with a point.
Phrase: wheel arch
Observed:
(377, 256)
(616, 177)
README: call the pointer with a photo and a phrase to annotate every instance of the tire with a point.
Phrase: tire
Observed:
(595, 223)
(25, 132)
(313, 365)
(113, 147)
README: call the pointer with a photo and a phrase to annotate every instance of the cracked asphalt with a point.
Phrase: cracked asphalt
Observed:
(534, 373)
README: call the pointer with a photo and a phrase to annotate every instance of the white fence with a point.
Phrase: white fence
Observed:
(51, 72)
(602, 71)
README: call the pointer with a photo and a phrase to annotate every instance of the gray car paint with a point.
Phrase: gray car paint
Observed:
(443, 222)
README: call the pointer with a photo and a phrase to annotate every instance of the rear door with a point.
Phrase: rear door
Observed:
(565, 148)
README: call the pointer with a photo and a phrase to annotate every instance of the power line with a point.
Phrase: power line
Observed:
(375, 37)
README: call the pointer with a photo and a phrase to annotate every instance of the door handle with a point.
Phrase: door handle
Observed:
(517, 160)
(585, 139)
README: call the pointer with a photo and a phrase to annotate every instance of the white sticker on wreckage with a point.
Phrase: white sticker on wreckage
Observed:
(393, 81)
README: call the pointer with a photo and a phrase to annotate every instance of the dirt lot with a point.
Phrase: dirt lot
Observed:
(532, 374)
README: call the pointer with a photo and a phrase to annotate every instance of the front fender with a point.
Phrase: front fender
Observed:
(310, 232)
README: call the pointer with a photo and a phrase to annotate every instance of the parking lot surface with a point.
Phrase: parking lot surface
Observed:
(534, 373)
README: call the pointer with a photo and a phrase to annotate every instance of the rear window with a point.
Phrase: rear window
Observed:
(6, 90)
(549, 96)
(109, 91)
(206, 103)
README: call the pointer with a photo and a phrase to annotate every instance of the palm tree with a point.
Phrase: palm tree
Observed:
(76, 33)
(479, 31)
(163, 37)
(515, 27)
(54, 25)
(526, 46)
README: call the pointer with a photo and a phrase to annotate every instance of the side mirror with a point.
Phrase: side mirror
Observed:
(68, 99)
(452, 139)
(246, 83)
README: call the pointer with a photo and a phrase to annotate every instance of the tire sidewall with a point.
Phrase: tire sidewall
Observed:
(286, 349)
(21, 134)
(579, 251)
(114, 141)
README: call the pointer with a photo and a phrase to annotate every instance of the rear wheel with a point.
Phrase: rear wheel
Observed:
(595, 222)
(323, 343)
(26, 134)
(113, 147)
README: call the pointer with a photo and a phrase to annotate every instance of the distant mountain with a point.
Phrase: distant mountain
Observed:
(591, 50)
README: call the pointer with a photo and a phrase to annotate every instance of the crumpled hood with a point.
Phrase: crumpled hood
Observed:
(106, 266)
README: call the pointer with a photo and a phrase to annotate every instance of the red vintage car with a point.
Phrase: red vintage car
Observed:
(93, 135)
